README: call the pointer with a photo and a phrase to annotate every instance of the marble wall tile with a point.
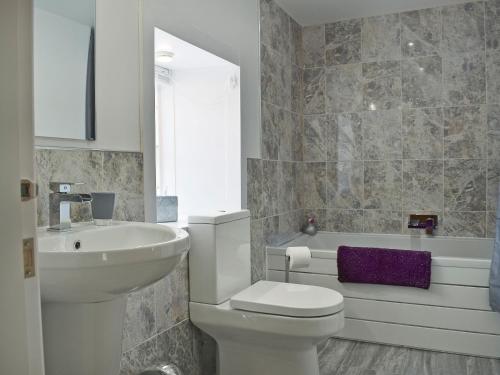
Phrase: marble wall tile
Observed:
(423, 185)
(493, 185)
(136, 360)
(465, 185)
(493, 76)
(123, 174)
(275, 77)
(344, 88)
(377, 221)
(349, 221)
(269, 187)
(492, 24)
(275, 27)
(315, 138)
(464, 132)
(422, 81)
(298, 185)
(382, 138)
(205, 352)
(255, 201)
(258, 256)
(382, 185)
(296, 47)
(70, 166)
(314, 185)
(172, 298)
(286, 188)
(313, 44)
(297, 135)
(344, 184)
(381, 38)
(286, 136)
(296, 87)
(272, 121)
(271, 231)
(464, 81)
(463, 27)
(493, 131)
(345, 137)
(343, 42)
(289, 224)
(423, 133)
(421, 32)
(139, 324)
(464, 224)
(382, 85)
(314, 91)
(491, 225)
(176, 346)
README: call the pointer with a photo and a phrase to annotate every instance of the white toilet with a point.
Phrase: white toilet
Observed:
(261, 329)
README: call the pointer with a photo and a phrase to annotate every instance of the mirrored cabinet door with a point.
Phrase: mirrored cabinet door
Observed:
(64, 65)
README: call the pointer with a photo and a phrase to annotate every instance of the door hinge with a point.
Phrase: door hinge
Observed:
(29, 190)
(29, 257)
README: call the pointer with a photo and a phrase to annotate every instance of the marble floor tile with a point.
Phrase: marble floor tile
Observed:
(346, 357)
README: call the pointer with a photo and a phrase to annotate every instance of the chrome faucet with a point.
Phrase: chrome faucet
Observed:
(60, 204)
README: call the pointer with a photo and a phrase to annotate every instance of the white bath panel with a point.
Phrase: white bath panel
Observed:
(437, 295)
(424, 316)
(439, 274)
(476, 344)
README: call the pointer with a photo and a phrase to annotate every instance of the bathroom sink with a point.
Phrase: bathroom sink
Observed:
(96, 264)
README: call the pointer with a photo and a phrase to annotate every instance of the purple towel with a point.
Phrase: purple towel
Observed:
(384, 266)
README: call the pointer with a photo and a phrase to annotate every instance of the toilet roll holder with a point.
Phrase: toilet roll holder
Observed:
(287, 268)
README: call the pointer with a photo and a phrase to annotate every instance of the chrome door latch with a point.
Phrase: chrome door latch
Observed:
(29, 190)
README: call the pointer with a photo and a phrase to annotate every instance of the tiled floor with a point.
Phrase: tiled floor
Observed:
(343, 357)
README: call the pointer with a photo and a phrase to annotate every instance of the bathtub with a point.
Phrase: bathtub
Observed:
(453, 315)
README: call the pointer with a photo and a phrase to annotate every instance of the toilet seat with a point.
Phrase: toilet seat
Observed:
(286, 299)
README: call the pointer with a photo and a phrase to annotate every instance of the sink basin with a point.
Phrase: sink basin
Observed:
(85, 276)
(95, 264)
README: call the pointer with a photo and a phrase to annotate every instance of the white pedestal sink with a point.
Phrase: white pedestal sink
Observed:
(85, 275)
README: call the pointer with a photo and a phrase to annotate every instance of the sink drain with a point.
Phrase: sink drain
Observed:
(77, 245)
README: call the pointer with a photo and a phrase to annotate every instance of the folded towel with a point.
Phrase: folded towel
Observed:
(384, 266)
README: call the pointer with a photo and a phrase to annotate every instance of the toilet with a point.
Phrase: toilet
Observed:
(261, 329)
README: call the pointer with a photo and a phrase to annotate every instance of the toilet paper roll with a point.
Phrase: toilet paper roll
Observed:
(300, 256)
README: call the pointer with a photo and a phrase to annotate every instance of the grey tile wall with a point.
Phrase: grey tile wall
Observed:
(275, 180)
(406, 107)
(120, 172)
(156, 327)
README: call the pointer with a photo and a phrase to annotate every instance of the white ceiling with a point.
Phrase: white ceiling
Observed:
(186, 55)
(314, 12)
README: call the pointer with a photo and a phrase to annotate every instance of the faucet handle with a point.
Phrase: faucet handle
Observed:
(63, 187)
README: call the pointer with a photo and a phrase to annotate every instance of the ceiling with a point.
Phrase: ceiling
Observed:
(186, 55)
(314, 12)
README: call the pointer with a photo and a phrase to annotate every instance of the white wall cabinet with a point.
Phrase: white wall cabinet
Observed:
(117, 80)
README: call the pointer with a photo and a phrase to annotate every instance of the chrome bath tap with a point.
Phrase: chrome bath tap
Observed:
(60, 204)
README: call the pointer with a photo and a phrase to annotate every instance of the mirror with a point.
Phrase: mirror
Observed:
(64, 79)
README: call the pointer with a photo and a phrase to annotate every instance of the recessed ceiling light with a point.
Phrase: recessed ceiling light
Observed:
(163, 57)
(411, 44)
(372, 107)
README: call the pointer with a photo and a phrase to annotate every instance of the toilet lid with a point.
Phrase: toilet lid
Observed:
(296, 300)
